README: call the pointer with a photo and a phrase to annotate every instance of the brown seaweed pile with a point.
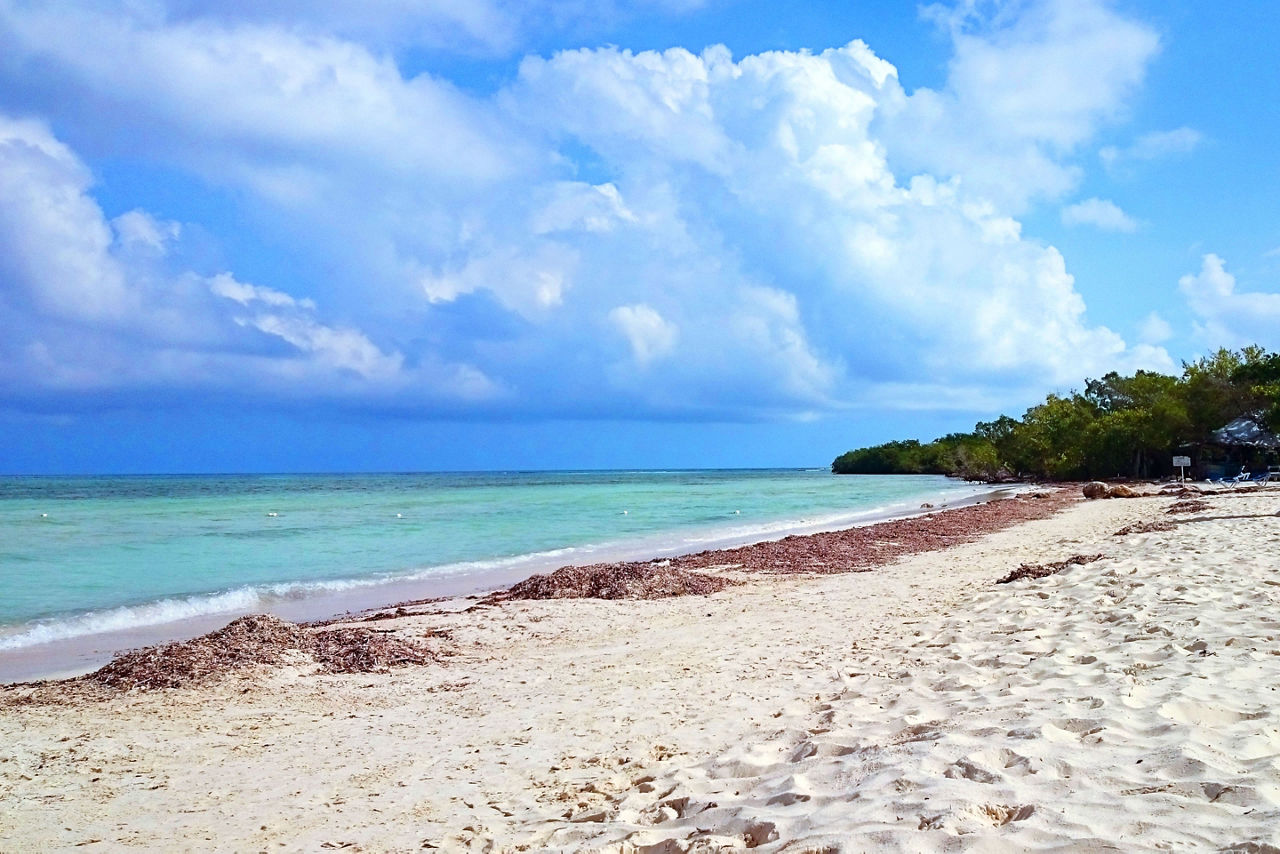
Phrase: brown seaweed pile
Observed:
(861, 549)
(616, 581)
(1144, 528)
(851, 550)
(258, 639)
(1191, 506)
(1043, 570)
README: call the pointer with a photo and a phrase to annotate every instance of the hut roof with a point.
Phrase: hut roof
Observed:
(1245, 431)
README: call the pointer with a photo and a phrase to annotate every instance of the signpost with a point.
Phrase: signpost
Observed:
(1182, 463)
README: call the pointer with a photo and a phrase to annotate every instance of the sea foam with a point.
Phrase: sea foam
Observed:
(241, 600)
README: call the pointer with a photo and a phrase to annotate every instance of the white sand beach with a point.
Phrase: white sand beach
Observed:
(1126, 704)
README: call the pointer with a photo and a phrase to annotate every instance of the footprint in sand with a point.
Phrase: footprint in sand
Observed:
(918, 732)
(1071, 729)
(968, 770)
(1206, 714)
(1000, 815)
(803, 751)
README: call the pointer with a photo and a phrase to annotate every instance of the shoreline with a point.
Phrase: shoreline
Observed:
(78, 654)
(921, 706)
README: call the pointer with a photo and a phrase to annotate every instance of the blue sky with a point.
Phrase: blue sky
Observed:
(643, 233)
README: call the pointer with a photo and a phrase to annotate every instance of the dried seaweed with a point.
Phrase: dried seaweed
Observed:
(258, 639)
(391, 612)
(616, 581)
(863, 548)
(1192, 506)
(852, 550)
(355, 649)
(1144, 528)
(1043, 570)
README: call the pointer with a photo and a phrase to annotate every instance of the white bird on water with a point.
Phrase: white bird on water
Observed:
(624, 512)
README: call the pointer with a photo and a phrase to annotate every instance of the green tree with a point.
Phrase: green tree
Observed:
(1006, 438)
(1261, 376)
(1119, 425)
(901, 457)
(1139, 420)
(1215, 392)
(1052, 435)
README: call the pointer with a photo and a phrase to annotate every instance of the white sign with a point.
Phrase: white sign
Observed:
(1182, 461)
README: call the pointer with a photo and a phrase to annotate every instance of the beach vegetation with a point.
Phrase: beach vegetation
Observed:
(1118, 426)
(1261, 377)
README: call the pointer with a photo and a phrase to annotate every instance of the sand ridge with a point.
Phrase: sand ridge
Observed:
(1121, 704)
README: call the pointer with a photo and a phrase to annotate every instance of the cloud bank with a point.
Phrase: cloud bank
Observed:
(654, 234)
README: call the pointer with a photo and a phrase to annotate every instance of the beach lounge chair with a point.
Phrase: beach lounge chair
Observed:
(1233, 482)
(1230, 482)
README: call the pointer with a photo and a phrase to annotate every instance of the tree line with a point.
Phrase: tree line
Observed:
(1117, 426)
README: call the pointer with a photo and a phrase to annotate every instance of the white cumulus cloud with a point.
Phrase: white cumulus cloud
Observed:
(1154, 329)
(649, 334)
(473, 27)
(56, 243)
(138, 230)
(784, 232)
(1029, 83)
(1226, 316)
(91, 306)
(1100, 213)
(1152, 146)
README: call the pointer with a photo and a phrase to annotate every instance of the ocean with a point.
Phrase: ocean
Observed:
(82, 556)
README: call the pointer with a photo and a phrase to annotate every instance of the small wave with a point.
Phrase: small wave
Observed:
(474, 567)
(169, 610)
(240, 600)
(130, 617)
(786, 526)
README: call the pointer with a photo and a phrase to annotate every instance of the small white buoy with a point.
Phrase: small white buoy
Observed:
(273, 513)
(624, 512)
(737, 512)
(44, 515)
(399, 516)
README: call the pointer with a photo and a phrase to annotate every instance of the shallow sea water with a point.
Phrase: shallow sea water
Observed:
(84, 555)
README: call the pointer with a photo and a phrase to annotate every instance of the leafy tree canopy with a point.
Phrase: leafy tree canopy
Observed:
(1118, 426)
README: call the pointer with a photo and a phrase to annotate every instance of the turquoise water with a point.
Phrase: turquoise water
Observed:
(81, 555)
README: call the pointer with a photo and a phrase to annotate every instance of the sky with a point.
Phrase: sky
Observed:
(409, 235)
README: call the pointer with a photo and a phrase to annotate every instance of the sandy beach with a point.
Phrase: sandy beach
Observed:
(1125, 703)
